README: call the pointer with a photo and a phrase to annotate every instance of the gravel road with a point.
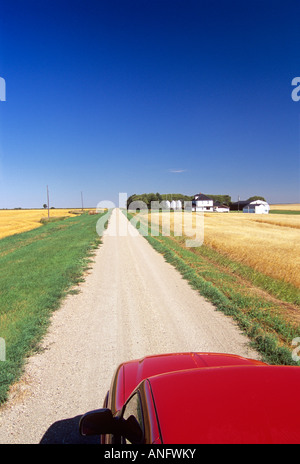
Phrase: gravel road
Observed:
(131, 304)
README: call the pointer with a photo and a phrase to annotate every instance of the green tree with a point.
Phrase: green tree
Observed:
(256, 198)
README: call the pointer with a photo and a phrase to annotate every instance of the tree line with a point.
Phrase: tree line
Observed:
(145, 199)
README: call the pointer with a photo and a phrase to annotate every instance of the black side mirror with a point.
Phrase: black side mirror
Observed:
(102, 422)
(98, 422)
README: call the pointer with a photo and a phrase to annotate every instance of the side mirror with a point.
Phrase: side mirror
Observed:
(98, 422)
(102, 422)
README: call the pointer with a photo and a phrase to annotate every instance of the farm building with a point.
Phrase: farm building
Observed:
(204, 203)
(257, 207)
(201, 202)
(219, 208)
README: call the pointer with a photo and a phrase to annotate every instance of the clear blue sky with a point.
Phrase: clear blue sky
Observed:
(113, 96)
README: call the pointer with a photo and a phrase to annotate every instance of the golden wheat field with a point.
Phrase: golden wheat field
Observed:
(17, 221)
(268, 243)
(286, 207)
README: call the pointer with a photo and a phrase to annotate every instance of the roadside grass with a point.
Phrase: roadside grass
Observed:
(37, 269)
(270, 322)
(46, 220)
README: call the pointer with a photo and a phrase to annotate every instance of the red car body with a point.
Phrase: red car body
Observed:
(192, 398)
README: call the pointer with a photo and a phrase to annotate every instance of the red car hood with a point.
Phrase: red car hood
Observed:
(136, 371)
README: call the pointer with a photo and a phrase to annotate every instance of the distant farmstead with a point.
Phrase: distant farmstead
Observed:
(206, 204)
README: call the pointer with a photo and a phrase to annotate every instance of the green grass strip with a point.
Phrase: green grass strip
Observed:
(283, 211)
(37, 269)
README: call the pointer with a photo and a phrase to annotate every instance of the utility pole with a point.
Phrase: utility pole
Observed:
(81, 201)
(48, 201)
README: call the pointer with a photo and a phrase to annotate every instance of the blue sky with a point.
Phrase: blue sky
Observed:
(179, 96)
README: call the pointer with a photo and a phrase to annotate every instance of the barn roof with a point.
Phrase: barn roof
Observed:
(220, 205)
(241, 203)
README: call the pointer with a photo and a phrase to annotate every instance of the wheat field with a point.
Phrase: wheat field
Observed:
(286, 207)
(17, 221)
(268, 243)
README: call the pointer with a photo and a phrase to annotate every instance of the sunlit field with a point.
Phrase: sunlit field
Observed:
(286, 207)
(268, 243)
(17, 221)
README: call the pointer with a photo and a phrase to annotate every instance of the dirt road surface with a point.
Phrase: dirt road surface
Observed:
(131, 304)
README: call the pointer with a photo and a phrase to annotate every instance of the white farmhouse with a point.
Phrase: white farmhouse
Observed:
(257, 207)
(202, 203)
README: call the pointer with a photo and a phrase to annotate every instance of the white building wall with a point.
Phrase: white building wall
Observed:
(220, 209)
(257, 207)
(205, 205)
